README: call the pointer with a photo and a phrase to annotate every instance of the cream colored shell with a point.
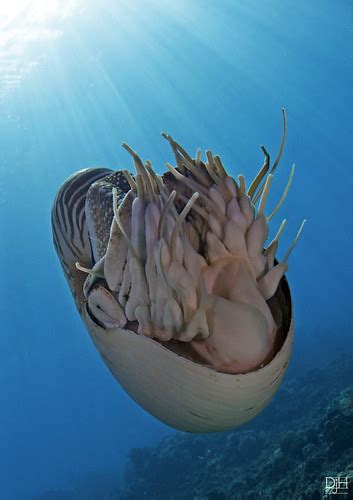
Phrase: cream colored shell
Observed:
(186, 395)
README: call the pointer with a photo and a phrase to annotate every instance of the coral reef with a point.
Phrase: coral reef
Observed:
(305, 435)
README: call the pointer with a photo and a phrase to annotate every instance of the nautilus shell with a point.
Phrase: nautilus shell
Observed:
(186, 304)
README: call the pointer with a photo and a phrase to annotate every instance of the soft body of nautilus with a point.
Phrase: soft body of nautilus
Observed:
(187, 306)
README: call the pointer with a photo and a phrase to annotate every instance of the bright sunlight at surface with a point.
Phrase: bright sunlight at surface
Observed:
(25, 25)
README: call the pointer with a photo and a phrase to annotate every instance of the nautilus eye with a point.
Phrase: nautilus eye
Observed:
(183, 287)
(105, 308)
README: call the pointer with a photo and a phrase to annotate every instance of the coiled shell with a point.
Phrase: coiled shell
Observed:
(178, 390)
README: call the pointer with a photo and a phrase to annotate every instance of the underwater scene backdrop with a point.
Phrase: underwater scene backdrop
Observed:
(76, 80)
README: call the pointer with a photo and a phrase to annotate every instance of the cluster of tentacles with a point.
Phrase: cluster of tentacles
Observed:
(186, 261)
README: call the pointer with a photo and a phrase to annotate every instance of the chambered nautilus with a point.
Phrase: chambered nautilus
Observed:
(171, 276)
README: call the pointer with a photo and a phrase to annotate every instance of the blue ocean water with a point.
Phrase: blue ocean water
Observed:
(79, 78)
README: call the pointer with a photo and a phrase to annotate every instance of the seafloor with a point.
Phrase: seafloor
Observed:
(305, 435)
(285, 453)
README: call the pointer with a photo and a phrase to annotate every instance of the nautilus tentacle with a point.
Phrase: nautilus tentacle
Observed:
(180, 262)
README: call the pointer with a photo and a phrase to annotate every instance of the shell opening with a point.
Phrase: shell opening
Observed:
(192, 271)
